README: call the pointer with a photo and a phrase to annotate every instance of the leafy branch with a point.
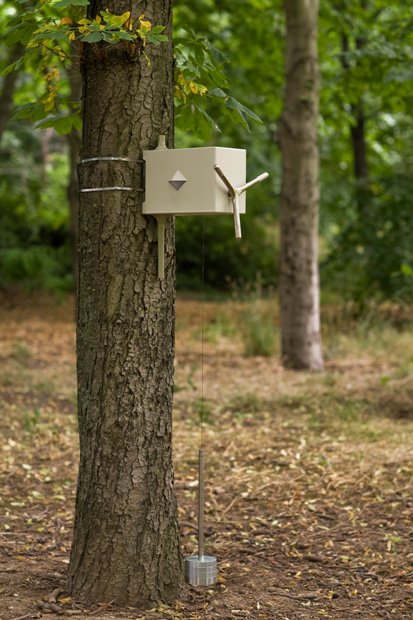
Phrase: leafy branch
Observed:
(49, 38)
(200, 83)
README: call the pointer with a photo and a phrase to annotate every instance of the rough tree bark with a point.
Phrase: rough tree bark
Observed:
(126, 542)
(299, 278)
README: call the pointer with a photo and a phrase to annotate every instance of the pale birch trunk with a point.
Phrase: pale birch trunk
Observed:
(299, 277)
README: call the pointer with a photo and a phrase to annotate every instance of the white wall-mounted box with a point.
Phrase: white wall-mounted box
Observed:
(184, 182)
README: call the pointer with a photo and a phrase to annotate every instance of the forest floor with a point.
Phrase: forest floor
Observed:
(309, 477)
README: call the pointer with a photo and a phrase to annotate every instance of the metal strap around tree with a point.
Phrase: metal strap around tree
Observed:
(119, 188)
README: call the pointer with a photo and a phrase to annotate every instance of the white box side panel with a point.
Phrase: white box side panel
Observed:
(203, 191)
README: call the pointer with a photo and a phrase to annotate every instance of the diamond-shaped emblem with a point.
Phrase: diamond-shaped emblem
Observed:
(178, 180)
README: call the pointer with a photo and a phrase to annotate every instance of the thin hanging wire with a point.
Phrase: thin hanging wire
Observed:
(202, 403)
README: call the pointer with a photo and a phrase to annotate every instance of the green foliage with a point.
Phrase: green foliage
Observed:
(258, 327)
(259, 335)
(366, 53)
(372, 255)
(246, 404)
(21, 352)
(31, 419)
(63, 122)
(221, 326)
(204, 411)
(200, 75)
(34, 223)
(38, 266)
(243, 42)
(229, 262)
(51, 33)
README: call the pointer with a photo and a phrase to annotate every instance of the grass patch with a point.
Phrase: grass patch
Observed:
(47, 388)
(31, 419)
(353, 416)
(258, 329)
(247, 403)
(21, 352)
(221, 327)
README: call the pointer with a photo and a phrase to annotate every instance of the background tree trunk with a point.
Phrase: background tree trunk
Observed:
(359, 143)
(299, 279)
(357, 129)
(126, 542)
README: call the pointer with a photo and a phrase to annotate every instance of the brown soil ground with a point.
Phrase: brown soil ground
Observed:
(309, 500)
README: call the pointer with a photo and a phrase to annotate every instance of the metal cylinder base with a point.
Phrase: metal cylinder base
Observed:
(201, 571)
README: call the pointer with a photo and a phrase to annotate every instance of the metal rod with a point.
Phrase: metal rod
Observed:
(110, 158)
(237, 219)
(161, 219)
(107, 189)
(201, 505)
(110, 189)
(258, 179)
(227, 183)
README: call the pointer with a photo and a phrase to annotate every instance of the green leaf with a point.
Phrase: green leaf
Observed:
(13, 67)
(156, 38)
(115, 21)
(217, 92)
(21, 33)
(92, 37)
(242, 112)
(63, 123)
(195, 120)
(234, 104)
(406, 270)
(50, 36)
(157, 29)
(117, 35)
(210, 121)
(63, 4)
(33, 111)
(126, 36)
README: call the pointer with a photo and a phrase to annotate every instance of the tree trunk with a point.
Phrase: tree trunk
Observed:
(357, 129)
(359, 144)
(126, 542)
(299, 279)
